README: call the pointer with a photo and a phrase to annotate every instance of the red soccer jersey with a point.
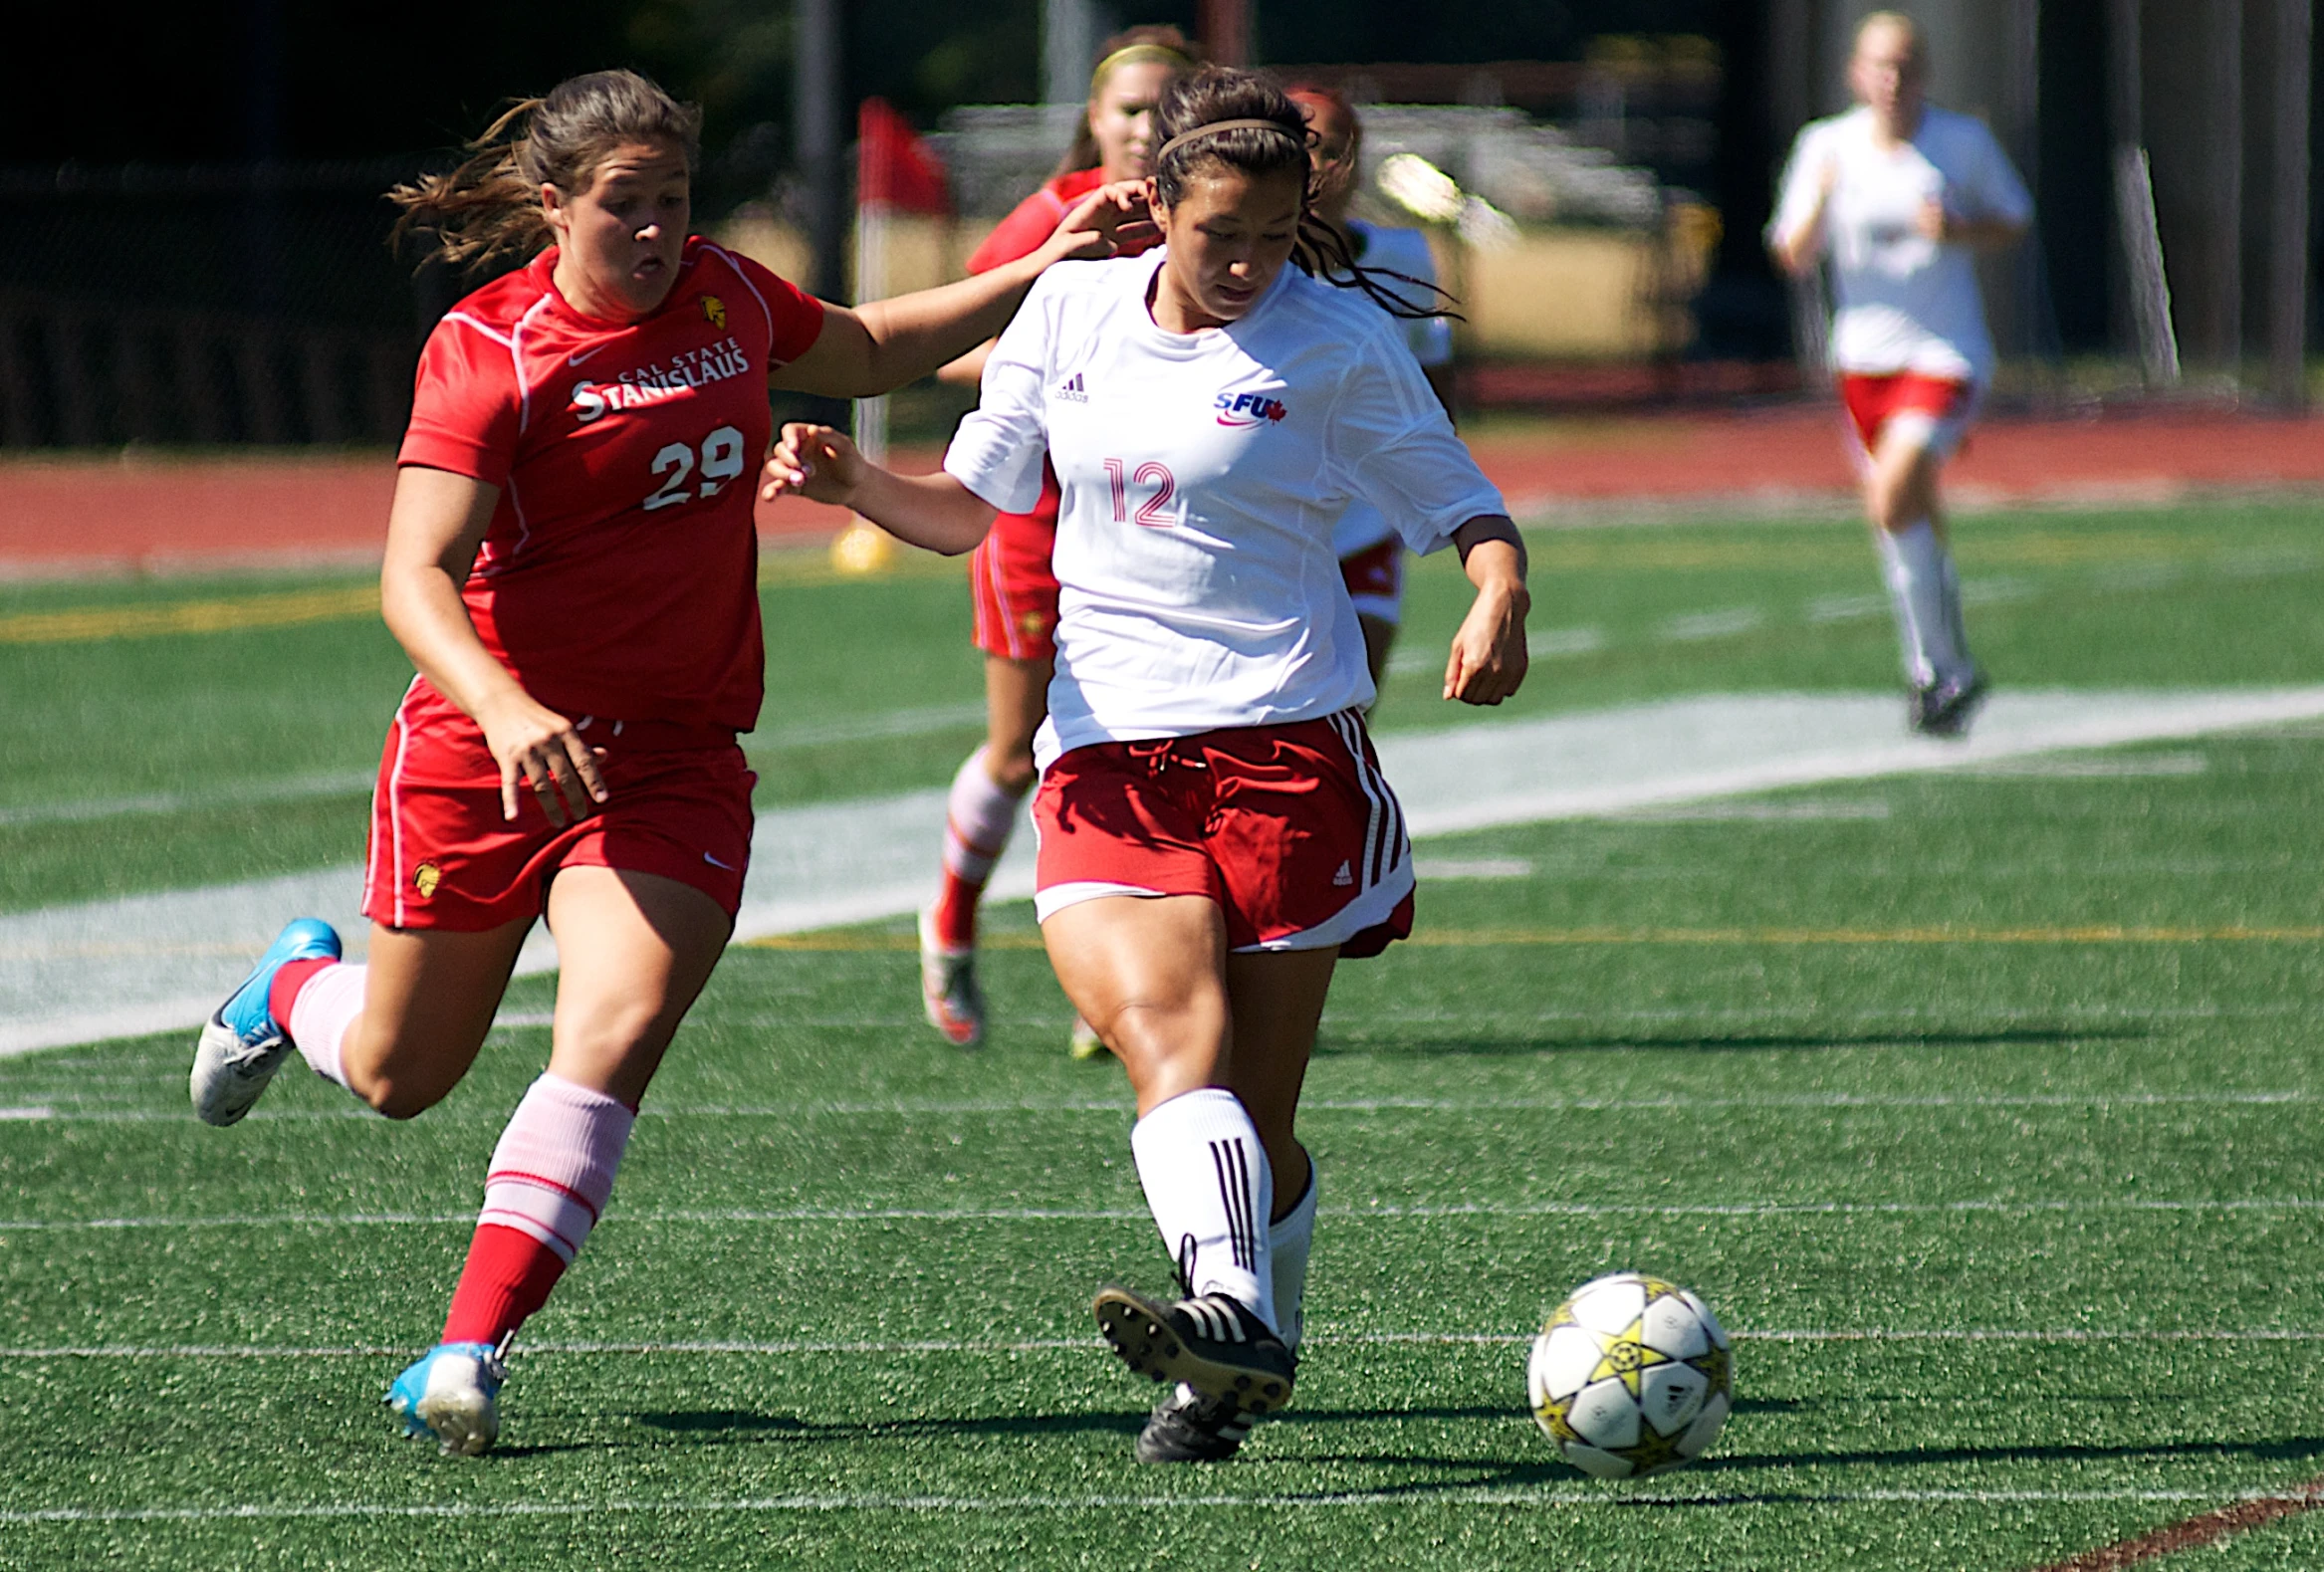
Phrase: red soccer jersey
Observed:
(618, 578)
(1034, 220)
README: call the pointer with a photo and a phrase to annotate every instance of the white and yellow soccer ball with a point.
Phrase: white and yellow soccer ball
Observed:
(1630, 1376)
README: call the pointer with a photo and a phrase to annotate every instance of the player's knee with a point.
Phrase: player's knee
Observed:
(1151, 1037)
(396, 1097)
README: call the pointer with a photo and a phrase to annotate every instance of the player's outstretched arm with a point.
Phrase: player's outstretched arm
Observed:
(934, 512)
(1487, 661)
(434, 529)
(880, 346)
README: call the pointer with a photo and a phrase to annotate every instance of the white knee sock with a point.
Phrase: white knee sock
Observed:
(978, 820)
(1207, 1181)
(1925, 591)
(326, 1007)
(554, 1167)
(1289, 1238)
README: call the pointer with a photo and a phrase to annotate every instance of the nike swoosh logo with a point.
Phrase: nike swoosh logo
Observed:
(579, 356)
(714, 863)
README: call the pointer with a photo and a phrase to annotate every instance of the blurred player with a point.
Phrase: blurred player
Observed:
(571, 565)
(1901, 194)
(1215, 831)
(1371, 558)
(1009, 582)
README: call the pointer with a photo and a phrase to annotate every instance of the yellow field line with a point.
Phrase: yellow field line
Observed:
(191, 616)
(1487, 938)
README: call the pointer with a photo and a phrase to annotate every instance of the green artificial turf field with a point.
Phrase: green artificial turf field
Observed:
(1979, 1106)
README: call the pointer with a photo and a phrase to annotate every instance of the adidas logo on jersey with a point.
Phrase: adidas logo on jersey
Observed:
(1071, 390)
(1344, 877)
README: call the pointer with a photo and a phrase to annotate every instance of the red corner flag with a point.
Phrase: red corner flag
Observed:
(894, 167)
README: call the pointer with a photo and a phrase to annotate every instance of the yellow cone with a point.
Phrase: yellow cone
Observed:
(861, 549)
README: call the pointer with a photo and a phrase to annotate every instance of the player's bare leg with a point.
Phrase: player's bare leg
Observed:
(1215, 1046)
(1380, 639)
(633, 952)
(980, 817)
(428, 999)
(1901, 495)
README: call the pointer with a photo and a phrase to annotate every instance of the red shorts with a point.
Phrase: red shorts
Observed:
(443, 856)
(1939, 404)
(1291, 829)
(1375, 579)
(1014, 587)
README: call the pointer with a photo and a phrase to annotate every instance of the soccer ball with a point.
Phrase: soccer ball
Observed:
(1630, 1376)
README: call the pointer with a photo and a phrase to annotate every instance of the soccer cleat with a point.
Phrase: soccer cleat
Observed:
(948, 989)
(243, 1044)
(1943, 709)
(1213, 1343)
(1085, 1044)
(1187, 1426)
(448, 1394)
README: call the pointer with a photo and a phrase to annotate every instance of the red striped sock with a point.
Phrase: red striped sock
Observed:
(508, 1276)
(283, 992)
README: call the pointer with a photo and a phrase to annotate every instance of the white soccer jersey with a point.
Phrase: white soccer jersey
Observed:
(1202, 473)
(1906, 303)
(1429, 340)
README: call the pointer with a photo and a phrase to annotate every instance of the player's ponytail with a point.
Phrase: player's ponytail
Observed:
(490, 205)
(1260, 129)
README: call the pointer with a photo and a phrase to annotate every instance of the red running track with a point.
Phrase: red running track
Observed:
(67, 515)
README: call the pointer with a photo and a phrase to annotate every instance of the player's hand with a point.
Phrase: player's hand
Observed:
(538, 747)
(1489, 658)
(817, 462)
(1930, 220)
(1108, 220)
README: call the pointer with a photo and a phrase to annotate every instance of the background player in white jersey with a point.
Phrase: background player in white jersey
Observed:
(1215, 832)
(1371, 557)
(1901, 194)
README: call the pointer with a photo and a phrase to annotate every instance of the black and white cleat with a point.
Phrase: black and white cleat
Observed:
(1944, 709)
(1212, 1342)
(1187, 1426)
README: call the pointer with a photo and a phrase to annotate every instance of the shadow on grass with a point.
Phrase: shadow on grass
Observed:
(1731, 1042)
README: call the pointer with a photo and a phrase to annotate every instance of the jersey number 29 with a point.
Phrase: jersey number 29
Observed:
(722, 461)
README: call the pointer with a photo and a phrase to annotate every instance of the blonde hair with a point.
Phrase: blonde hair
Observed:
(490, 206)
(1901, 23)
(1160, 46)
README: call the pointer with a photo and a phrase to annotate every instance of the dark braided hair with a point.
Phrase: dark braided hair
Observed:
(1212, 93)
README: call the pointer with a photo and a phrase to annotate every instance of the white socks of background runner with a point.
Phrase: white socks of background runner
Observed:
(1925, 593)
(326, 1007)
(1289, 1238)
(1207, 1179)
(978, 818)
(554, 1167)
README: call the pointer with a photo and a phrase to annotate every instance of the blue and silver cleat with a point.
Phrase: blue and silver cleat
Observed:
(243, 1044)
(447, 1396)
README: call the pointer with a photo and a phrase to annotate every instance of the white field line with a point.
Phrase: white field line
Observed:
(1120, 1107)
(794, 1347)
(728, 1216)
(161, 961)
(1552, 1496)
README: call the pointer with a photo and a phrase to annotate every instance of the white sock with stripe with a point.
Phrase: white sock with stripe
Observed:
(554, 1167)
(1289, 1238)
(978, 820)
(327, 1006)
(1207, 1179)
(1925, 595)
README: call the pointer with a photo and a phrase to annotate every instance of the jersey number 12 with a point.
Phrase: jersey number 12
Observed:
(1150, 511)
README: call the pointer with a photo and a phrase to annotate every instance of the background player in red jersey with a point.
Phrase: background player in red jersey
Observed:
(570, 564)
(1371, 555)
(1013, 591)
